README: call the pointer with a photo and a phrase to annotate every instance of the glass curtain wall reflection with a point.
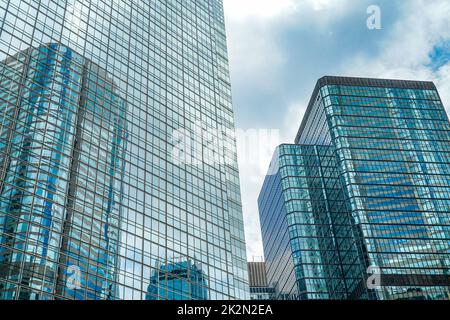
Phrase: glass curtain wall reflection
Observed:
(307, 231)
(60, 201)
(141, 167)
(387, 144)
(179, 280)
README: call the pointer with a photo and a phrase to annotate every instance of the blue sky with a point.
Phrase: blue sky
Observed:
(279, 48)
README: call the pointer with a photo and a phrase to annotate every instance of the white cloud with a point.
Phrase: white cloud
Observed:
(292, 121)
(321, 4)
(256, 26)
(255, 150)
(243, 9)
(253, 56)
(240, 9)
(406, 51)
(253, 30)
(443, 85)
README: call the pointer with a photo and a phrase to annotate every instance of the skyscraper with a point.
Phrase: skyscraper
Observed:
(359, 206)
(117, 152)
(257, 279)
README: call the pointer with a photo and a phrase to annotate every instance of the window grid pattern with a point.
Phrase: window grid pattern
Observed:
(325, 261)
(391, 141)
(168, 62)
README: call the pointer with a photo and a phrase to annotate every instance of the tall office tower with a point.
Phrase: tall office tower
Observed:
(257, 279)
(363, 197)
(117, 152)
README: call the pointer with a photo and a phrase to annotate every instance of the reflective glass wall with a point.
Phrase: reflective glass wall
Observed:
(178, 280)
(58, 213)
(320, 254)
(392, 143)
(359, 208)
(117, 150)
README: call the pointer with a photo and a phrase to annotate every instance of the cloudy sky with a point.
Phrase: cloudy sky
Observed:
(279, 48)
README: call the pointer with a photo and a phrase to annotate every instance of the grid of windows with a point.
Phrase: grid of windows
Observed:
(324, 262)
(276, 240)
(66, 106)
(177, 281)
(401, 207)
(155, 67)
(259, 287)
(391, 140)
(366, 185)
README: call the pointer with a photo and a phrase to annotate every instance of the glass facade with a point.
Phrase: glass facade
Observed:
(257, 279)
(54, 189)
(387, 176)
(179, 280)
(307, 230)
(117, 152)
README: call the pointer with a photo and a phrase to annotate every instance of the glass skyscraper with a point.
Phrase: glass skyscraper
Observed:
(117, 152)
(359, 206)
(257, 279)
